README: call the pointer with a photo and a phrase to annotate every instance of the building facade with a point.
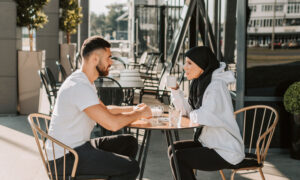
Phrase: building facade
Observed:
(285, 15)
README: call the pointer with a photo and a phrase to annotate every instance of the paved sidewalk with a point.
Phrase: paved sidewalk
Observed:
(20, 160)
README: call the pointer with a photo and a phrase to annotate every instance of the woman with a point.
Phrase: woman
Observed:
(219, 145)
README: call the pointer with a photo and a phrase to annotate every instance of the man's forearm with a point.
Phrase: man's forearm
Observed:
(119, 109)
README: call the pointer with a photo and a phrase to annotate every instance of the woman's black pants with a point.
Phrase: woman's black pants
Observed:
(192, 155)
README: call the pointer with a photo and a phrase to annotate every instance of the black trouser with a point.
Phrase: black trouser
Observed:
(112, 156)
(192, 155)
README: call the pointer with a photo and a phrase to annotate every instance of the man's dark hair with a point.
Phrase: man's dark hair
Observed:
(93, 43)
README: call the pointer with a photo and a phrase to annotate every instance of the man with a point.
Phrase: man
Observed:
(77, 109)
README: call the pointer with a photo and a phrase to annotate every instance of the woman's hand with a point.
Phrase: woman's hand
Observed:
(175, 88)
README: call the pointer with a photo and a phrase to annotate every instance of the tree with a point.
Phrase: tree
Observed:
(30, 15)
(115, 10)
(98, 26)
(70, 17)
(103, 24)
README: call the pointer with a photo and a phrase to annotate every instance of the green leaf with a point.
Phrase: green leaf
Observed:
(291, 98)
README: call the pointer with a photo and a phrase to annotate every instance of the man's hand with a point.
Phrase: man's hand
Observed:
(139, 106)
(144, 111)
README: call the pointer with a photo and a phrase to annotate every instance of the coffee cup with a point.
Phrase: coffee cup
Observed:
(171, 81)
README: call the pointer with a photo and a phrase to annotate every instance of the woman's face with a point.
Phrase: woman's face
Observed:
(192, 70)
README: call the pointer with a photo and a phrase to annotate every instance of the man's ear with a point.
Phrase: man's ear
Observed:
(94, 58)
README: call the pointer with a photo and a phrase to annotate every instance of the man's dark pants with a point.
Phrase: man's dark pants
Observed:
(112, 156)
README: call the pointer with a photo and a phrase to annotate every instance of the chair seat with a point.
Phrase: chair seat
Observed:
(249, 161)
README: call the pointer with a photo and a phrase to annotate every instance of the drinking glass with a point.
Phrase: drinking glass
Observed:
(157, 111)
(174, 117)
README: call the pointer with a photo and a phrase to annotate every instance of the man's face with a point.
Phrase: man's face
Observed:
(104, 62)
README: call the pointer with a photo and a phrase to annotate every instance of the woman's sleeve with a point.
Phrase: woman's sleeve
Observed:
(180, 103)
(212, 109)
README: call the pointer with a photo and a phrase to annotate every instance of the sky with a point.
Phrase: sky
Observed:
(98, 6)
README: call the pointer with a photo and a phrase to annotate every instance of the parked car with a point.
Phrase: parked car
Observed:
(294, 44)
(277, 44)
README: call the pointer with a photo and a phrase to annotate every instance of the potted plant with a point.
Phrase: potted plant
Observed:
(30, 15)
(291, 101)
(69, 20)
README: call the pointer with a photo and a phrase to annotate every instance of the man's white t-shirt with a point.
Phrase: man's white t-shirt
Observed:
(69, 124)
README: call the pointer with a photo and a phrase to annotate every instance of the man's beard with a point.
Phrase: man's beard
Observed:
(102, 72)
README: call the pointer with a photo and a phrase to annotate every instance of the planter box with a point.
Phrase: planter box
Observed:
(28, 80)
(66, 49)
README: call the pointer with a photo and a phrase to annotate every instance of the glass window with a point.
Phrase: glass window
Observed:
(279, 7)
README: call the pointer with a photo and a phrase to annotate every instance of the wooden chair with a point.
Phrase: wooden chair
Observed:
(39, 125)
(259, 126)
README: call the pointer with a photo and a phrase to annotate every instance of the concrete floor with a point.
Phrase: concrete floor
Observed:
(19, 157)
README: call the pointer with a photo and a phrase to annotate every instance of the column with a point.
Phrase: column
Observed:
(84, 26)
(48, 37)
(10, 38)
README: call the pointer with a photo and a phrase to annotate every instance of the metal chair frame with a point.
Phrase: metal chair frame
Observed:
(118, 87)
(36, 122)
(51, 79)
(62, 70)
(50, 93)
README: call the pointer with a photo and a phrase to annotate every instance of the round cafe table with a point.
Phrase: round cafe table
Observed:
(150, 124)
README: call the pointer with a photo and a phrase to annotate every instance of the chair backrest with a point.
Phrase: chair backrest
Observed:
(109, 91)
(62, 70)
(46, 85)
(39, 125)
(70, 62)
(181, 78)
(259, 126)
(78, 60)
(143, 58)
(118, 64)
(153, 61)
(50, 78)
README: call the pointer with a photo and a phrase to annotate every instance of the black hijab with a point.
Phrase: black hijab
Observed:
(206, 60)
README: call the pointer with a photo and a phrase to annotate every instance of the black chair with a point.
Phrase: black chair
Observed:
(109, 91)
(78, 60)
(70, 62)
(62, 71)
(157, 89)
(51, 79)
(118, 63)
(51, 95)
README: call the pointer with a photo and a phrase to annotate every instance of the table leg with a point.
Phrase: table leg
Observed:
(176, 134)
(142, 146)
(137, 134)
(169, 136)
(145, 153)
